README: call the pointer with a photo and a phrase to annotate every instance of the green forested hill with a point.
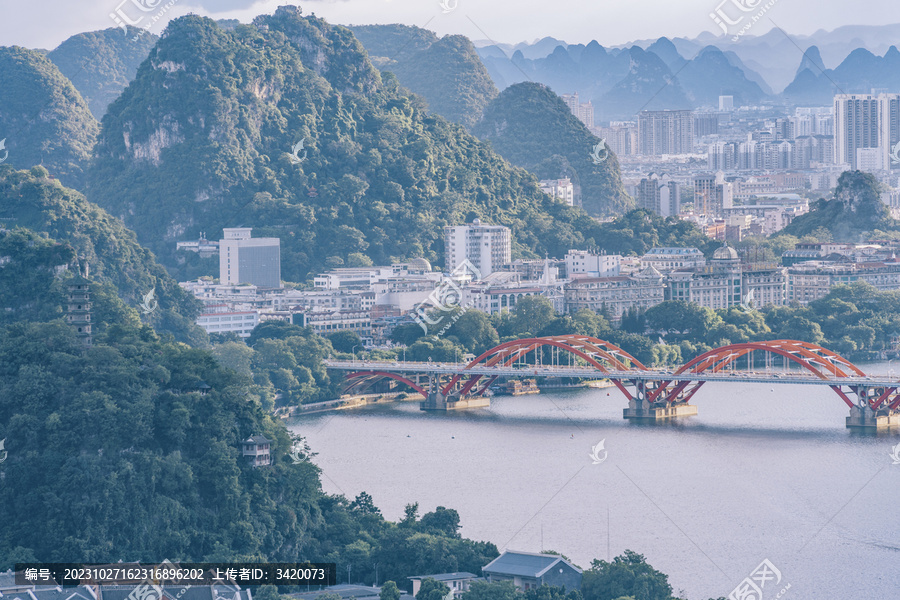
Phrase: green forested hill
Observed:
(43, 118)
(101, 63)
(533, 128)
(202, 137)
(856, 210)
(446, 71)
(49, 226)
(114, 454)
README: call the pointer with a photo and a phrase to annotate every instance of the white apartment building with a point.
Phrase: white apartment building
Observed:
(243, 259)
(561, 189)
(324, 322)
(588, 264)
(487, 247)
(866, 121)
(219, 319)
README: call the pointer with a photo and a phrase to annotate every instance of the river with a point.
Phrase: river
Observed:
(762, 472)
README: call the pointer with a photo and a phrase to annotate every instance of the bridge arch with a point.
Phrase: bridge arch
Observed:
(592, 350)
(364, 379)
(822, 362)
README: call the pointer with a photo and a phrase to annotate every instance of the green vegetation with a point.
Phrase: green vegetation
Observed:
(100, 64)
(856, 210)
(446, 71)
(135, 461)
(44, 119)
(626, 575)
(532, 127)
(203, 137)
(52, 225)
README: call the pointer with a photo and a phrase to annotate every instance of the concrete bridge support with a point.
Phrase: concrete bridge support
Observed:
(640, 408)
(864, 418)
(439, 401)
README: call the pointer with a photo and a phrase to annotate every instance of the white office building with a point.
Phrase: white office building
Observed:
(487, 247)
(243, 259)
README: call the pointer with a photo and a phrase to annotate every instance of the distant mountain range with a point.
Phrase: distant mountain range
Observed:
(692, 73)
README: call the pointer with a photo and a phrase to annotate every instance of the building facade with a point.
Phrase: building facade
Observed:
(660, 194)
(863, 121)
(243, 259)
(487, 247)
(665, 132)
(670, 259)
(615, 295)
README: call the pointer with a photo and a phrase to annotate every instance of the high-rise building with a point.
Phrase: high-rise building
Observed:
(243, 259)
(665, 132)
(866, 121)
(487, 247)
(583, 111)
(712, 195)
(620, 136)
(726, 103)
(706, 124)
(660, 194)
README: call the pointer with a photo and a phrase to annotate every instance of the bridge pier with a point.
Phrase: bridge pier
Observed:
(863, 418)
(437, 400)
(641, 409)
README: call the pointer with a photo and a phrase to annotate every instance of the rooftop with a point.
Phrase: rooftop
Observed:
(447, 576)
(524, 564)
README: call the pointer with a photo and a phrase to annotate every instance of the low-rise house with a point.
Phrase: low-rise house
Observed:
(529, 570)
(257, 450)
(457, 582)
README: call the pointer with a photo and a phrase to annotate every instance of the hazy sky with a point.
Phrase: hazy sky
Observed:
(45, 23)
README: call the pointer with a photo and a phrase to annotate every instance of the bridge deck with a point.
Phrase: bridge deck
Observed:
(768, 377)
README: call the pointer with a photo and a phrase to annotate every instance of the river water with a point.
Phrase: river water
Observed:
(762, 472)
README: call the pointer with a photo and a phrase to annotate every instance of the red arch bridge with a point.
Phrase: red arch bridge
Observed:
(874, 401)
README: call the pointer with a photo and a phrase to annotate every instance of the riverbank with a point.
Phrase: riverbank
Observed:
(359, 400)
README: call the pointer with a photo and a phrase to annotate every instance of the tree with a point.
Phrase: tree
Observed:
(442, 520)
(389, 591)
(345, 340)
(364, 504)
(473, 331)
(499, 590)
(627, 575)
(532, 313)
(802, 329)
(432, 589)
